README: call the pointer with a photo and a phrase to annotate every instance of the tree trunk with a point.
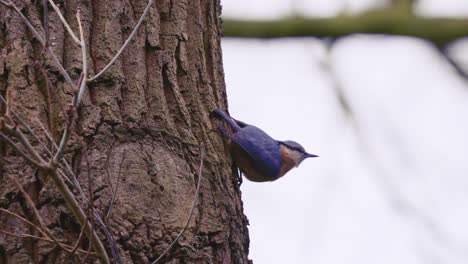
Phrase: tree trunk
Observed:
(134, 145)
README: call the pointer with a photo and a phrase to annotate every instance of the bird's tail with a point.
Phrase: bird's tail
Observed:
(230, 121)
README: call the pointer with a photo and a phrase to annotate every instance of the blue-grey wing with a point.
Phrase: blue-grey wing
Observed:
(240, 123)
(263, 149)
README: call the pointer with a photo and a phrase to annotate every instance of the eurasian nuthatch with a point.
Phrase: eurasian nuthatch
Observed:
(258, 156)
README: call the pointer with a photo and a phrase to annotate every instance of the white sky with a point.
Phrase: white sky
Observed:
(390, 184)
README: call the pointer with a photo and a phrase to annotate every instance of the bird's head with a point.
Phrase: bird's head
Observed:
(295, 152)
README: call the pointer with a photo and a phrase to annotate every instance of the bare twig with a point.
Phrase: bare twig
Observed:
(135, 29)
(48, 99)
(64, 139)
(38, 216)
(25, 142)
(80, 238)
(110, 239)
(67, 247)
(84, 73)
(72, 204)
(26, 236)
(24, 220)
(70, 177)
(114, 192)
(4, 3)
(54, 145)
(51, 91)
(76, 97)
(77, 211)
(45, 238)
(17, 149)
(43, 43)
(90, 197)
(87, 253)
(46, 22)
(69, 197)
(66, 134)
(49, 136)
(32, 155)
(67, 166)
(22, 122)
(73, 181)
(7, 106)
(200, 171)
(67, 26)
(90, 191)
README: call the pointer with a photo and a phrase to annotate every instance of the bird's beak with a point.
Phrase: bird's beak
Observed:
(310, 155)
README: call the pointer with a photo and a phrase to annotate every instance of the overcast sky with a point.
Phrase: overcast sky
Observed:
(390, 184)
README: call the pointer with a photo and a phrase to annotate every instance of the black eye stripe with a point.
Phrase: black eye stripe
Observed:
(293, 148)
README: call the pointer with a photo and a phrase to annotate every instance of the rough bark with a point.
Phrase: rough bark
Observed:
(137, 133)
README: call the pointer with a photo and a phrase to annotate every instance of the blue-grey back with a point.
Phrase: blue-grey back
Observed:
(261, 147)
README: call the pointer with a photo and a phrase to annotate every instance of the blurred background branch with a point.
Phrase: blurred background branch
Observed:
(397, 18)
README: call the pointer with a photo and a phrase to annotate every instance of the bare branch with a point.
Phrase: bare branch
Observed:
(90, 195)
(64, 139)
(67, 26)
(26, 236)
(51, 91)
(114, 192)
(37, 215)
(85, 260)
(200, 171)
(22, 122)
(25, 142)
(49, 136)
(90, 187)
(110, 239)
(77, 211)
(46, 21)
(45, 238)
(54, 145)
(69, 197)
(20, 134)
(453, 62)
(72, 204)
(24, 220)
(5, 3)
(76, 97)
(43, 42)
(135, 29)
(78, 242)
(71, 177)
(48, 99)
(80, 237)
(17, 149)
(67, 247)
(84, 73)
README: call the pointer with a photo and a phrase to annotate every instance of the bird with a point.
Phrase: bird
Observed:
(258, 156)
